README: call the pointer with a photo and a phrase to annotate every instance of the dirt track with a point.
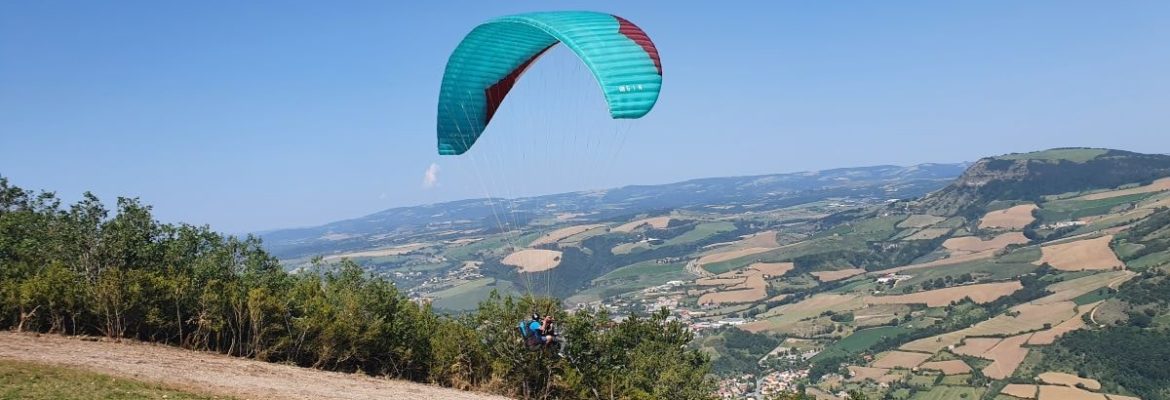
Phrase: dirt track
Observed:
(213, 373)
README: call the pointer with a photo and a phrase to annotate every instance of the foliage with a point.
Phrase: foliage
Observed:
(81, 271)
(877, 256)
(739, 350)
(1137, 360)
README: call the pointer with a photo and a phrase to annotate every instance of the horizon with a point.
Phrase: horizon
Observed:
(271, 117)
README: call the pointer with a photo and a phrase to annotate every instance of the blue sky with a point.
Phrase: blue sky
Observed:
(267, 114)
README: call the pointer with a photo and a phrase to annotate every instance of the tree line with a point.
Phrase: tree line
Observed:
(82, 269)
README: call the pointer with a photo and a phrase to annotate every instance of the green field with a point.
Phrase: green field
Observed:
(880, 228)
(1063, 210)
(1094, 296)
(1074, 155)
(981, 269)
(468, 295)
(635, 277)
(648, 270)
(700, 232)
(1150, 261)
(922, 381)
(21, 380)
(860, 341)
(955, 380)
(944, 392)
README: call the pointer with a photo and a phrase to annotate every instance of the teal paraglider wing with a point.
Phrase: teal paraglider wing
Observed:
(489, 60)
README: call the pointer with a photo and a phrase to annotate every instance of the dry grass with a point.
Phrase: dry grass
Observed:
(830, 276)
(772, 269)
(212, 373)
(720, 281)
(759, 239)
(733, 296)
(981, 293)
(1156, 186)
(1071, 289)
(1052, 392)
(656, 223)
(779, 318)
(389, 251)
(731, 255)
(950, 367)
(1013, 218)
(900, 359)
(1048, 336)
(938, 263)
(1006, 356)
(744, 285)
(857, 373)
(1019, 391)
(1088, 254)
(557, 235)
(1060, 378)
(1031, 317)
(973, 244)
(976, 347)
(534, 260)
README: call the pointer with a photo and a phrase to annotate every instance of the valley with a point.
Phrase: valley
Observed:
(907, 283)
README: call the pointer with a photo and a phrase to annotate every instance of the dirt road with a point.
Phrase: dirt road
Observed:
(214, 373)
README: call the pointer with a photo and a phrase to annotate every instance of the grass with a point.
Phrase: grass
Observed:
(944, 392)
(1062, 210)
(1149, 261)
(879, 228)
(860, 341)
(981, 269)
(1091, 297)
(925, 381)
(465, 252)
(642, 270)
(1023, 255)
(32, 381)
(700, 232)
(420, 268)
(724, 266)
(635, 277)
(468, 295)
(956, 380)
(1054, 155)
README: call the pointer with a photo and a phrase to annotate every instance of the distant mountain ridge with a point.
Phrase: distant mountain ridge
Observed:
(729, 194)
(1027, 176)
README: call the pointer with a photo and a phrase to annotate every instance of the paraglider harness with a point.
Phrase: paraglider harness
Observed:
(536, 335)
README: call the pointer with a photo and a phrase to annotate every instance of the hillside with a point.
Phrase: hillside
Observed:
(1028, 176)
(215, 374)
(978, 280)
(726, 195)
(1008, 274)
(1034, 275)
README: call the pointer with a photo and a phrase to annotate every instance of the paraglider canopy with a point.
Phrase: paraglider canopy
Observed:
(489, 60)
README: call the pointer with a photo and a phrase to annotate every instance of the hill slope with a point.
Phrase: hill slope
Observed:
(1028, 176)
(731, 194)
(214, 373)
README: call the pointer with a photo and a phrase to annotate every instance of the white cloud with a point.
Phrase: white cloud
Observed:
(431, 177)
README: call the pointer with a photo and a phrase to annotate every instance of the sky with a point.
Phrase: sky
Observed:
(258, 115)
